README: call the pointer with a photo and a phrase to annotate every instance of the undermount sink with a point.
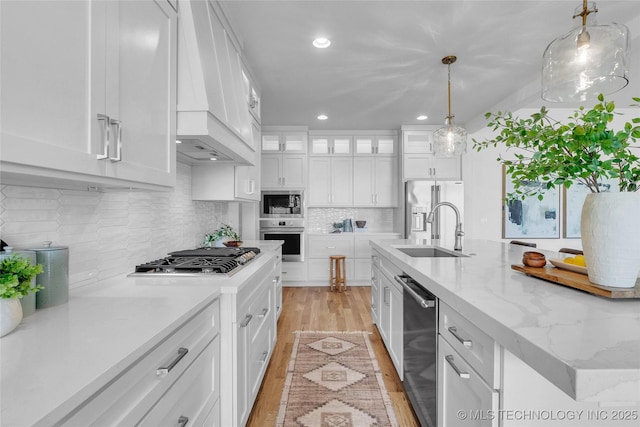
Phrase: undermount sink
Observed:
(430, 252)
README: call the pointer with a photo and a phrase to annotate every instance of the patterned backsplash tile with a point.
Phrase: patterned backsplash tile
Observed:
(320, 220)
(109, 233)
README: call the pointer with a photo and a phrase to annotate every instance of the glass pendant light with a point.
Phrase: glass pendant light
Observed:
(588, 60)
(450, 140)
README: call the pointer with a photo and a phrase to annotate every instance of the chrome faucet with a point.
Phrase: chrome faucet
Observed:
(459, 233)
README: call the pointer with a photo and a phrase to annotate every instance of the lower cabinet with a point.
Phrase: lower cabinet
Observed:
(294, 272)
(463, 391)
(167, 384)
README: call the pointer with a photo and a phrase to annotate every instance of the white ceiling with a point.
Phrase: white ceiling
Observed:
(384, 66)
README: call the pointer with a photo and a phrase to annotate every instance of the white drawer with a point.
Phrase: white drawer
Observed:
(462, 390)
(325, 246)
(193, 395)
(259, 359)
(476, 347)
(138, 388)
(294, 271)
(262, 307)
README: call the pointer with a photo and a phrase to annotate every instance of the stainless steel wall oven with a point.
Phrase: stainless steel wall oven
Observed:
(289, 230)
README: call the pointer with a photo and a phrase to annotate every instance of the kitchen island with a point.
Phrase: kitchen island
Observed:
(586, 346)
(87, 360)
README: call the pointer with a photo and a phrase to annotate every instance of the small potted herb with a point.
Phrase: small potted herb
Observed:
(223, 236)
(16, 276)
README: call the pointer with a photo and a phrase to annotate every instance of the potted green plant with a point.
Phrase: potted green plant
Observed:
(225, 233)
(16, 281)
(583, 150)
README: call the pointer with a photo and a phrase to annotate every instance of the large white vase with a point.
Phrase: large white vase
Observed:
(611, 238)
(10, 315)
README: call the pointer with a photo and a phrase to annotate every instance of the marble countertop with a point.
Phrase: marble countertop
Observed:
(59, 356)
(588, 346)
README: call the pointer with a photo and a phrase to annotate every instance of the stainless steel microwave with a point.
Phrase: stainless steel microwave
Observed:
(282, 204)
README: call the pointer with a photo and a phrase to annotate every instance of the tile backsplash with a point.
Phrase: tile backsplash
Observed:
(320, 220)
(109, 233)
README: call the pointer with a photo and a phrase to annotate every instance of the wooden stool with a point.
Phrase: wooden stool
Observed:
(338, 269)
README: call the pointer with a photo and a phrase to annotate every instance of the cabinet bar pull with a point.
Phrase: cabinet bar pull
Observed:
(105, 138)
(246, 320)
(118, 132)
(264, 312)
(265, 354)
(460, 373)
(454, 332)
(331, 247)
(384, 295)
(163, 370)
(183, 421)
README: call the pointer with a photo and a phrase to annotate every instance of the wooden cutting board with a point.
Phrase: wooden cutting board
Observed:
(577, 281)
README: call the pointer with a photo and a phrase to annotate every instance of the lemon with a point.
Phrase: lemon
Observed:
(579, 260)
(569, 260)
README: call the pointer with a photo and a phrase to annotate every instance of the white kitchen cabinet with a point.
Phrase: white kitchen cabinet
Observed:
(420, 162)
(375, 294)
(321, 247)
(295, 272)
(463, 391)
(390, 313)
(168, 379)
(375, 181)
(330, 181)
(330, 145)
(248, 345)
(105, 99)
(385, 145)
(283, 171)
(284, 141)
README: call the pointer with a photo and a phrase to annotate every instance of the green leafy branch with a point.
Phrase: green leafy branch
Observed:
(551, 154)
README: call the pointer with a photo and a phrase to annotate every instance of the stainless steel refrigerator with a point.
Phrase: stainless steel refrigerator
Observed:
(420, 197)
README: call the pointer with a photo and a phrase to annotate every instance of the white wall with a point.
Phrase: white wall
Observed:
(482, 175)
(109, 233)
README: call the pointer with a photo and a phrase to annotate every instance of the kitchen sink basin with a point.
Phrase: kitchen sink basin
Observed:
(430, 252)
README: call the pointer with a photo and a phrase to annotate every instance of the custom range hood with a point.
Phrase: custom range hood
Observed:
(213, 118)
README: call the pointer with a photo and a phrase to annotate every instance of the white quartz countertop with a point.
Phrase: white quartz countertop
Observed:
(588, 346)
(59, 356)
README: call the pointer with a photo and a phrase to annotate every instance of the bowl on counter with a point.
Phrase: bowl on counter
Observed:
(361, 224)
(232, 243)
(534, 259)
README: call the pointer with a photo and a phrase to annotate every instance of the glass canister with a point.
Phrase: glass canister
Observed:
(54, 277)
(28, 302)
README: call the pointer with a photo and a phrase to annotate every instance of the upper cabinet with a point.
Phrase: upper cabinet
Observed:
(419, 160)
(292, 139)
(383, 145)
(88, 93)
(329, 145)
(215, 91)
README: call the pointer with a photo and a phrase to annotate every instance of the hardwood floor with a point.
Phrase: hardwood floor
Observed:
(318, 309)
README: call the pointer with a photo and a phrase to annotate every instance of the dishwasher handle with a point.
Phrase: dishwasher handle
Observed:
(424, 303)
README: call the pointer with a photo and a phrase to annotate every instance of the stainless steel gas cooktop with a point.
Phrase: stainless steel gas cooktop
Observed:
(196, 262)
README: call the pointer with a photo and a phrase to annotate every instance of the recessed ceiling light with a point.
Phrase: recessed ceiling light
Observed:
(213, 158)
(178, 141)
(323, 117)
(322, 42)
(422, 117)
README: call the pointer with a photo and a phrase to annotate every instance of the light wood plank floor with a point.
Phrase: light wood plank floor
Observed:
(318, 309)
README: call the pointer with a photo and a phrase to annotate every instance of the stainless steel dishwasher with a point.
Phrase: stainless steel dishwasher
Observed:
(420, 336)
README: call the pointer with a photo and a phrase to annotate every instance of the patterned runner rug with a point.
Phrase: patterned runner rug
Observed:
(333, 380)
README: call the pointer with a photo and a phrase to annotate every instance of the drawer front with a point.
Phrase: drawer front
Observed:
(462, 390)
(477, 348)
(294, 271)
(193, 395)
(323, 247)
(262, 308)
(134, 392)
(389, 269)
(258, 360)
